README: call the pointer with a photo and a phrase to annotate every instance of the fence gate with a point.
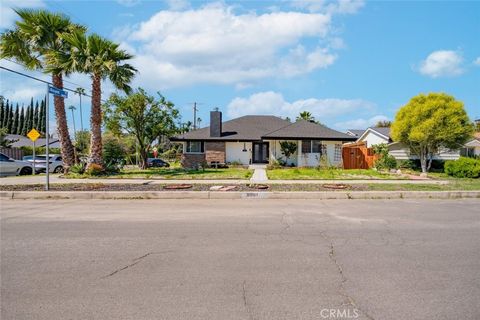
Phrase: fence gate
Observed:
(358, 156)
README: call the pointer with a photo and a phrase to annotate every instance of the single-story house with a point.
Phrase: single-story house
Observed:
(256, 139)
(377, 135)
(472, 147)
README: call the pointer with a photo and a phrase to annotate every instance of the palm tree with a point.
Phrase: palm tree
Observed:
(81, 92)
(36, 35)
(101, 59)
(305, 115)
(72, 108)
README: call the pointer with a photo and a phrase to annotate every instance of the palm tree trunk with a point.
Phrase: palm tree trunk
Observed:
(66, 145)
(96, 123)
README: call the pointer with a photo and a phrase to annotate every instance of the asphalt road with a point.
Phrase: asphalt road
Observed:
(240, 259)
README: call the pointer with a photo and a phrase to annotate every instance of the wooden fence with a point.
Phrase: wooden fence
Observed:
(358, 156)
(14, 153)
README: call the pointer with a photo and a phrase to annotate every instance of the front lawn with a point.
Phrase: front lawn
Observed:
(327, 174)
(175, 173)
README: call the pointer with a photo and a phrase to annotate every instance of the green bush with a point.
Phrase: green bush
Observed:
(463, 168)
(385, 160)
(78, 168)
(114, 152)
(28, 150)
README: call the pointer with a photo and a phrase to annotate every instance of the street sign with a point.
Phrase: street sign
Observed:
(57, 92)
(33, 135)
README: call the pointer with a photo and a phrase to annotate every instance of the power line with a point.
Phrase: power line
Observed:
(64, 80)
(44, 81)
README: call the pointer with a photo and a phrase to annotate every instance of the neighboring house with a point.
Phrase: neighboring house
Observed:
(472, 147)
(22, 141)
(256, 139)
(378, 135)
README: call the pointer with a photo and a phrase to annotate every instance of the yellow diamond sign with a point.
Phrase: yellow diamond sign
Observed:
(33, 134)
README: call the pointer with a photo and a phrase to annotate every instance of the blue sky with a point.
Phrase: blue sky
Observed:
(350, 63)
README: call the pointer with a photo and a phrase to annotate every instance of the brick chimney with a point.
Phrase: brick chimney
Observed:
(215, 123)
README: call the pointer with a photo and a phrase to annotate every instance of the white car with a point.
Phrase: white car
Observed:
(55, 163)
(12, 167)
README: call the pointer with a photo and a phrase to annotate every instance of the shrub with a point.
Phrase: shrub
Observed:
(78, 168)
(463, 168)
(385, 161)
(113, 153)
(95, 170)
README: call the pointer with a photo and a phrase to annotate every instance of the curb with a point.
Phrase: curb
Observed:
(320, 195)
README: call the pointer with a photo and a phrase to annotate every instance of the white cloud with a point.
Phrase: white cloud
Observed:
(339, 6)
(477, 61)
(442, 63)
(178, 4)
(8, 16)
(273, 103)
(360, 123)
(213, 44)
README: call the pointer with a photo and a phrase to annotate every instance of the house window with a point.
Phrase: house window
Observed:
(195, 147)
(314, 146)
(338, 153)
(306, 146)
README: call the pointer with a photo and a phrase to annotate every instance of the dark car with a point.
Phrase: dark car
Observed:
(157, 163)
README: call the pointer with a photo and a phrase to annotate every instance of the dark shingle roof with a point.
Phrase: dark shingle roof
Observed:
(303, 129)
(252, 128)
(246, 128)
(382, 130)
(356, 132)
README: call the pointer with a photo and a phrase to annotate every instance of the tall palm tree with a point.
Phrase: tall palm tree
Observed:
(101, 59)
(36, 35)
(81, 92)
(72, 108)
(305, 115)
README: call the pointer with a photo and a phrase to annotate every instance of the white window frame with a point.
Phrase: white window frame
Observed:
(187, 149)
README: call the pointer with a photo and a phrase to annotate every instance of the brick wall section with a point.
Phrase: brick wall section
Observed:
(215, 152)
(192, 160)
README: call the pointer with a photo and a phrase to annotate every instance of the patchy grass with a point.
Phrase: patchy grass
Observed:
(174, 173)
(459, 185)
(327, 174)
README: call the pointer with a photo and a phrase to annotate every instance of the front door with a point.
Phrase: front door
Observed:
(260, 152)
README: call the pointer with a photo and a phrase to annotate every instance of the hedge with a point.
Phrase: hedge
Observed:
(463, 168)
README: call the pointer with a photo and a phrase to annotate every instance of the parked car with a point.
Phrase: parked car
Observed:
(157, 163)
(12, 167)
(26, 158)
(55, 163)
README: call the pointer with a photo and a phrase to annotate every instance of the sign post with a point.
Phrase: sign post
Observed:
(59, 93)
(33, 135)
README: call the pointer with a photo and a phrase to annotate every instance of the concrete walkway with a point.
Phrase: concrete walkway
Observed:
(259, 173)
(40, 179)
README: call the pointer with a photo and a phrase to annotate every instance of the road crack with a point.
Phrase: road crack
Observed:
(245, 301)
(134, 262)
(350, 301)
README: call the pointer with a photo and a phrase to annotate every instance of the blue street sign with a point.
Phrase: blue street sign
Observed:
(57, 92)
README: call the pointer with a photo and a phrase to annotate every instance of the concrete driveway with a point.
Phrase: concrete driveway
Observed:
(240, 259)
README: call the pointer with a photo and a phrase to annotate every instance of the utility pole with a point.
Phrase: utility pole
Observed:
(195, 116)
(80, 91)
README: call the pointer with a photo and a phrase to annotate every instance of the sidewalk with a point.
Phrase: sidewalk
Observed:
(40, 179)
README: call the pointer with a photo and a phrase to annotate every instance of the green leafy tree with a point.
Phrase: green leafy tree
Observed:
(82, 142)
(143, 116)
(383, 124)
(9, 119)
(37, 34)
(101, 59)
(43, 117)
(35, 116)
(16, 120)
(288, 149)
(428, 123)
(5, 115)
(21, 122)
(2, 110)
